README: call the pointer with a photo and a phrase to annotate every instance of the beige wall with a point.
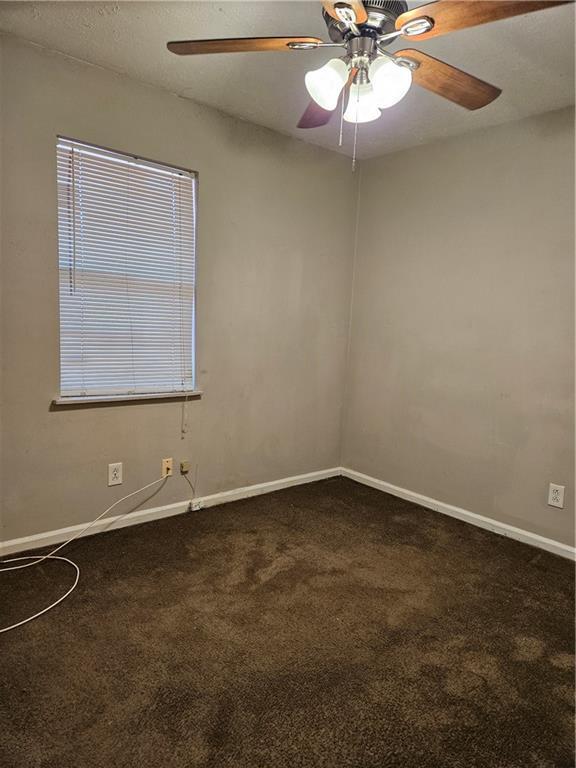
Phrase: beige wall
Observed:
(460, 357)
(461, 361)
(274, 282)
(1, 313)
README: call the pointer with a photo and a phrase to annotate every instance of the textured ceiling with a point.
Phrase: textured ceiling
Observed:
(530, 57)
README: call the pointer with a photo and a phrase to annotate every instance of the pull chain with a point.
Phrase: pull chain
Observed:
(355, 133)
(341, 122)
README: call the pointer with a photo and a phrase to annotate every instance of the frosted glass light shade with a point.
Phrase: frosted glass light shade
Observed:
(390, 81)
(362, 106)
(325, 84)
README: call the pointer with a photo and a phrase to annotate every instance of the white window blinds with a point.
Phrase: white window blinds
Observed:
(126, 234)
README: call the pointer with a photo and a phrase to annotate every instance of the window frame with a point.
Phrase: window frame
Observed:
(195, 393)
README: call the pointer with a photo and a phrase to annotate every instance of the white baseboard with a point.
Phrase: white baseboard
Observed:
(550, 545)
(156, 513)
(48, 538)
(261, 488)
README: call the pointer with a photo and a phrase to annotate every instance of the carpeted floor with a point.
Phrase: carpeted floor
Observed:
(328, 625)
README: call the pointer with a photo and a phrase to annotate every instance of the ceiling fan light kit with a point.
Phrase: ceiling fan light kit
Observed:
(379, 81)
(368, 78)
(362, 104)
(325, 84)
(391, 81)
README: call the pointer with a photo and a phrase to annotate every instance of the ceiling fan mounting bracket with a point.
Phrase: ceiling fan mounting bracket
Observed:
(417, 26)
(302, 46)
(404, 61)
(293, 46)
(346, 14)
(401, 61)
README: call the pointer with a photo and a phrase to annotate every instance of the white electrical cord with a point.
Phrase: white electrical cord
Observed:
(52, 556)
(52, 605)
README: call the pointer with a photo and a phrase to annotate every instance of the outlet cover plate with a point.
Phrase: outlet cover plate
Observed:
(115, 473)
(556, 495)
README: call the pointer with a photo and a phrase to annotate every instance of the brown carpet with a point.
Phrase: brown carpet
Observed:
(328, 625)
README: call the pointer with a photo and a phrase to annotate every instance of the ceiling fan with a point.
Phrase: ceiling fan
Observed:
(371, 77)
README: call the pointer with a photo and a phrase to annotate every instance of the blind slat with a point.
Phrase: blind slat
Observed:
(127, 237)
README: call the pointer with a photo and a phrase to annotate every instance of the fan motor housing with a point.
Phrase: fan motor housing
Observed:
(382, 15)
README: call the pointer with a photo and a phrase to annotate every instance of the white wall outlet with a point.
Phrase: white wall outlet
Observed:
(115, 473)
(167, 467)
(556, 495)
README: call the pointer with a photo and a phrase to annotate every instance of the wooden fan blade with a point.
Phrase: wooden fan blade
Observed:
(356, 5)
(451, 83)
(452, 15)
(238, 45)
(314, 116)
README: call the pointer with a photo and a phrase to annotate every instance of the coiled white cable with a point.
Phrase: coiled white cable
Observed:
(52, 605)
(36, 559)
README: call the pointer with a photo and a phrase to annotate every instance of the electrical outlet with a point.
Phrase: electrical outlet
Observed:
(167, 467)
(556, 495)
(184, 467)
(115, 473)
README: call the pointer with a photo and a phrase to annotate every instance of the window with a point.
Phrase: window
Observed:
(126, 242)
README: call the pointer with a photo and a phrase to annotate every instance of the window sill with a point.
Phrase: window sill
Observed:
(104, 399)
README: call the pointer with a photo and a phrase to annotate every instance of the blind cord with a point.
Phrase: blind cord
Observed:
(37, 559)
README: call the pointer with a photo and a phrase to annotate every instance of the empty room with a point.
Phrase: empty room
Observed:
(287, 384)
